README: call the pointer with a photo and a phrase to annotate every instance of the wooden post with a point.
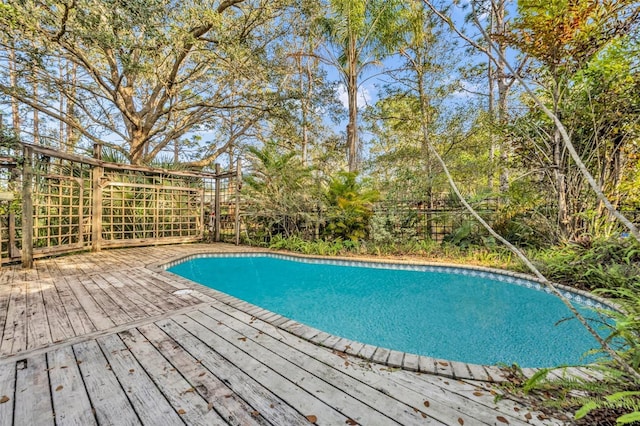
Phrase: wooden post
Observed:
(96, 200)
(238, 188)
(216, 207)
(27, 209)
(14, 252)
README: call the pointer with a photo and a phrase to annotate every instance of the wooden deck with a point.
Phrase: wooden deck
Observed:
(106, 338)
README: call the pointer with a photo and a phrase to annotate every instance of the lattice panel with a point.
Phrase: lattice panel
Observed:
(228, 209)
(70, 203)
(60, 204)
(137, 207)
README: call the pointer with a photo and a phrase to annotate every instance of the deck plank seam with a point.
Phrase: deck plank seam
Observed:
(301, 367)
(176, 323)
(95, 334)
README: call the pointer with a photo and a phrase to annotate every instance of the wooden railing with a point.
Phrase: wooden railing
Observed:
(65, 202)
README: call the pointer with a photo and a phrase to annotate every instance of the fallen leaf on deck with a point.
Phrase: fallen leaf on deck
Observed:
(255, 413)
(60, 387)
(478, 393)
(460, 420)
(351, 422)
(181, 411)
(426, 404)
(4, 399)
(502, 420)
(244, 339)
(312, 418)
(528, 416)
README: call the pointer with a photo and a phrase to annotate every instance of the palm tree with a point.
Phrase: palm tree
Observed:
(360, 33)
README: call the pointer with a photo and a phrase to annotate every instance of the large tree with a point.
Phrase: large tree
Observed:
(360, 33)
(564, 37)
(149, 72)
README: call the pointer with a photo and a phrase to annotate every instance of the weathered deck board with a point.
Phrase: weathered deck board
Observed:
(38, 333)
(148, 401)
(102, 338)
(190, 405)
(289, 391)
(78, 316)
(123, 300)
(7, 392)
(106, 395)
(71, 403)
(309, 365)
(32, 394)
(117, 314)
(14, 338)
(99, 316)
(59, 323)
(440, 402)
(133, 296)
(218, 395)
(246, 387)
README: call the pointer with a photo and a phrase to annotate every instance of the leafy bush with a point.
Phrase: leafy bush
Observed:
(277, 192)
(607, 263)
(349, 207)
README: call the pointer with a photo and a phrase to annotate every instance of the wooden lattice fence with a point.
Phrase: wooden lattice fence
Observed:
(72, 203)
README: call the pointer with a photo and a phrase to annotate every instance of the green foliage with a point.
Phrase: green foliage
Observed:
(315, 247)
(626, 329)
(424, 250)
(626, 400)
(603, 263)
(277, 191)
(612, 395)
(349, 207)
(616, 392)
(522, 216)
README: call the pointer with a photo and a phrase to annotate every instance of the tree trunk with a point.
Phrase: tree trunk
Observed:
(503, 92)
(138, 144)
(72, 134)
(13, 81)
(490, 109)
(61, 103)
(352, 93)
(559, 175)
(36, 116)
(560, 184)
(424, 146)
(305, 93)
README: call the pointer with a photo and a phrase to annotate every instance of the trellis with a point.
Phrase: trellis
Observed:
(72, 202)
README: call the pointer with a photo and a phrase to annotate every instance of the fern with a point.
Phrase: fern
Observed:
(628, 401)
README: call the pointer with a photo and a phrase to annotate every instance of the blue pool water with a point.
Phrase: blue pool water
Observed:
(474, 319)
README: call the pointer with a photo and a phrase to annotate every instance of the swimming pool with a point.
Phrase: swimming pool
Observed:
(459, 314)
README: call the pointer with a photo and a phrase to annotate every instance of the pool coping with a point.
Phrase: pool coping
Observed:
(381, 355)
